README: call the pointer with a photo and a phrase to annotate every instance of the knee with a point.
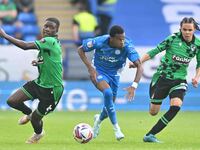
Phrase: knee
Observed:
(108, 93)
(11, 102)
(153, 112)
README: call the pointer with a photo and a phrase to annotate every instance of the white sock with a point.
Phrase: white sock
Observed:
(99, 121)
(116, 126)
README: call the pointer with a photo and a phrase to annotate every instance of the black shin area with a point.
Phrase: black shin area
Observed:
(164, 120)
(37, 123)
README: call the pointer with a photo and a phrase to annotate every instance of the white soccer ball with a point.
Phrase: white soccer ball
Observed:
(83, 133)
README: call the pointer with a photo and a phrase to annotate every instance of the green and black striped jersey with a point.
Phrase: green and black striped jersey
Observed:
(178, 55)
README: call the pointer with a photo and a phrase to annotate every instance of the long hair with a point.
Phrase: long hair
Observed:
(190, 20)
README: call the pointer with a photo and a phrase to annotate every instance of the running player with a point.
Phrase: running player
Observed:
(111, 52)
(48, 87)
(170, 78)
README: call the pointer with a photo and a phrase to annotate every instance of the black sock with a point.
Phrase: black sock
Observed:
(37, 126)
(37, 123)
(164, 120)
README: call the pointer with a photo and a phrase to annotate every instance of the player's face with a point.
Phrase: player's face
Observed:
(187, 30)
(118, 40)
(49, 29)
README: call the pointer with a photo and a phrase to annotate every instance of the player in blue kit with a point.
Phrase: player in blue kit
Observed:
(110, 54)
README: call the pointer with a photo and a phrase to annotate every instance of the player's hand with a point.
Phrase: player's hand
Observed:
(130, 93)
(195, 82)
(2, 32)
(93, 75)
(131, 65)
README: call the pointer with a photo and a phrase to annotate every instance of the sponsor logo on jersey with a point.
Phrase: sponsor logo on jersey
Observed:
(193, 48)
(182, 60)
(89, 44)
(108, 58)
(117, 52)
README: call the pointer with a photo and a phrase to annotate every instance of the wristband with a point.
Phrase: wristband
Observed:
(134, 84)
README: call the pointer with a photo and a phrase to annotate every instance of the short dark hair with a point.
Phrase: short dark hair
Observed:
(55, 20)
(190, 20)
(116, 30)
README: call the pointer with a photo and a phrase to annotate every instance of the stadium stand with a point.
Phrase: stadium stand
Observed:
(24, 27)
(27, 18)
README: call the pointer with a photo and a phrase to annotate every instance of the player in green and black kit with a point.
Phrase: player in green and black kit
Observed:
(48, 87)
(170, 78)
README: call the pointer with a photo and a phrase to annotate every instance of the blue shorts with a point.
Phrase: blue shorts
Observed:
(112, 80)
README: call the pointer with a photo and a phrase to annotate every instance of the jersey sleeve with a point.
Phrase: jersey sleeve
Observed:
(132, 53)
(164, 45)
(198, 58)
(89, 44)
(45, 43)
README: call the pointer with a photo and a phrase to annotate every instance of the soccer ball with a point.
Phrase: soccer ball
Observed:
(83, 133)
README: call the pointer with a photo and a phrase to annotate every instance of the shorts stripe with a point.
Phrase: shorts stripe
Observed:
(181, 86)
(156, 100)
(27, 93)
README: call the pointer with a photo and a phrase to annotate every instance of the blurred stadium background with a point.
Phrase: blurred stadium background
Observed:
(147, 22)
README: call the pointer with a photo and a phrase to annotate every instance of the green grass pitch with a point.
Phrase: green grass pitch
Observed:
(183, 133)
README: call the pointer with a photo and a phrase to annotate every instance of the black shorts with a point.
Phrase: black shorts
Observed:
(47, 102)
(164, 87)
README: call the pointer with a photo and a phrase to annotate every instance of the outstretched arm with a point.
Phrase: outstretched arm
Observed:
(144, 58)
(19, 43)
(91, 69)
(131, 89)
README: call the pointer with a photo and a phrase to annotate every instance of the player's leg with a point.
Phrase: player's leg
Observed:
(176, 100)
(114, 85)
(36, 120)
(150, 136)
(177, 93)
(154, 109)
(104, 113)
(37, 124)
(158, 92)
(109, 105)
(98, 118)
(108, 102)
(109, 91)
(175, 105)
(48, 100)
(17, 100)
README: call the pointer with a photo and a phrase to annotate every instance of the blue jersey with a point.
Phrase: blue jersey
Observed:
(107, 59)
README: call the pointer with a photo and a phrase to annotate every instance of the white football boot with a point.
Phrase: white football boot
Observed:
(24, 119)
(96, 126)
(35, 138)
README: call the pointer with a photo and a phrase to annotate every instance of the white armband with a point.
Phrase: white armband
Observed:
(135, 85)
